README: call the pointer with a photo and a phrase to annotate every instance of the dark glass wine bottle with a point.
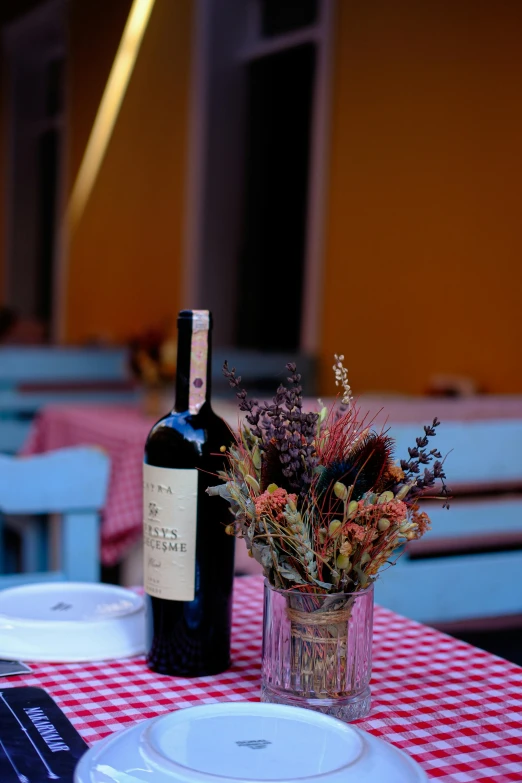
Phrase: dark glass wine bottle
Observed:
(188, 557)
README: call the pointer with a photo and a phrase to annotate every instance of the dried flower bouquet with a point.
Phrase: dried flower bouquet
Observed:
(323, 506)
(317, 496)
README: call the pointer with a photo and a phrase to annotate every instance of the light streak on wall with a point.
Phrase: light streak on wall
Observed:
(108, 109)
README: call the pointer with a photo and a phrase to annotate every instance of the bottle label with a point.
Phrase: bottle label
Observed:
(169, 532)
(198, 360)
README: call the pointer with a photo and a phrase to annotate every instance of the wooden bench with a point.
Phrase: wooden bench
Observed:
(467, 569)
(31, 377)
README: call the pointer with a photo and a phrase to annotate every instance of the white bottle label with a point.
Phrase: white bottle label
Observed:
(169, 532)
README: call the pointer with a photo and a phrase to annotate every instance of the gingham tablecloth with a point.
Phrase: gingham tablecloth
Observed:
(456, 709)
(122, 433)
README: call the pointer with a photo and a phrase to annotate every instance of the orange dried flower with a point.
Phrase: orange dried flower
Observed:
(395, 510)
(395, 473)
(272, 504)
(357, 532)
(421, 521)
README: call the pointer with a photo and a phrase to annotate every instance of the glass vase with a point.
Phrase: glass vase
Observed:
(317, 651)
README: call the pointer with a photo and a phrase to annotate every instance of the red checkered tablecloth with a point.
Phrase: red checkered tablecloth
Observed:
(456, 709)
(122, 433)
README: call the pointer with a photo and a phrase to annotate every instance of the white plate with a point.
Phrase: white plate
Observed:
(70, 621)
(239, 742)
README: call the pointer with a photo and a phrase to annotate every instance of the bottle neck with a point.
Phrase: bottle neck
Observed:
(193, 367)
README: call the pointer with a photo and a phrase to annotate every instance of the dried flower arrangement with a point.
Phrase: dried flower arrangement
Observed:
(317, 496)
(322, 506)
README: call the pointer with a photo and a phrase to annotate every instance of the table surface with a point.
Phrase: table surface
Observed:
(122, 431)
(456, 709)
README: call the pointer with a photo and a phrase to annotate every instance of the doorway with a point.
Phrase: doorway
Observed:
(34, 57)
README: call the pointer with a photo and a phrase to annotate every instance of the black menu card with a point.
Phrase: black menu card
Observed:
(37, 741)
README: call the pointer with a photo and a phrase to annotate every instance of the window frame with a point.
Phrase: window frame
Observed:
(247, 46)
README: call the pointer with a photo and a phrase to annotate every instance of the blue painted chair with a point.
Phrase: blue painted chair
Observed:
(70, 482)
(466, 570)
(31, 377)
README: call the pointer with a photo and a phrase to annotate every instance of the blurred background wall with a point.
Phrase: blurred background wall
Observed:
(423, 242)
(420, 257)
(124, 261)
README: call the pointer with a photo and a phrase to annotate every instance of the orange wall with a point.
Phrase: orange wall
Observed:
(125, 256)
(423, 232)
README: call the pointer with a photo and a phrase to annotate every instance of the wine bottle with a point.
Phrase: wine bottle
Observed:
(188, 556)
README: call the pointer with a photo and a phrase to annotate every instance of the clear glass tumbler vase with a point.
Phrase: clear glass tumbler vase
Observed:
(317, 651)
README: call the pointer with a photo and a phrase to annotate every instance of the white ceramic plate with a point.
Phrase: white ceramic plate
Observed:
(70, 621)
(239, 742)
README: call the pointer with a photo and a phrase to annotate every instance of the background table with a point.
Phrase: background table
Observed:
(456, 709)
(122, 432)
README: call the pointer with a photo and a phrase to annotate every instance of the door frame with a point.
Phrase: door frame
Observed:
(30, 30)
(199, 128)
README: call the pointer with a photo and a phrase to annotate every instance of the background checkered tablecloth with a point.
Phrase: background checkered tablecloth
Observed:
(122, 433)
(456, 709)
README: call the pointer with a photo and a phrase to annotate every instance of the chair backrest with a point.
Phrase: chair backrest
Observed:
(31, 377)
(468, 566)
(71, 482)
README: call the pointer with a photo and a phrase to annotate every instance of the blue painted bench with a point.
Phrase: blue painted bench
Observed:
(467, 569)
(71, 483)
(31, 377)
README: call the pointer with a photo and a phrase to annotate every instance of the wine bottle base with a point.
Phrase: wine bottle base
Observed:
(207, 671)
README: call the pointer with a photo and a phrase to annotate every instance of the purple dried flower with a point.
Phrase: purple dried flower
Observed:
(420, 456)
